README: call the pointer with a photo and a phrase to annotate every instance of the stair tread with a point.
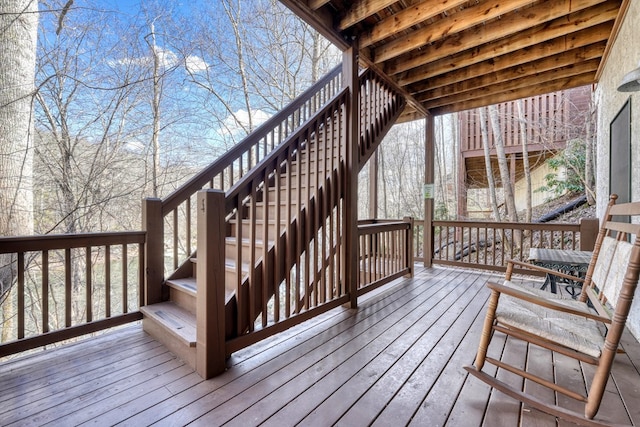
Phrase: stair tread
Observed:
(175, 319)
(190, 284)
(184, 284)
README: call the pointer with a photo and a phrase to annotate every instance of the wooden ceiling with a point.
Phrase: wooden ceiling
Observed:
(453, 55)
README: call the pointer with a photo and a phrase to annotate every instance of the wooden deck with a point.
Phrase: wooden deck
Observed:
(397, 360)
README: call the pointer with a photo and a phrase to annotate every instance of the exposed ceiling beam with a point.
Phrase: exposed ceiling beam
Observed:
(565, 59)
(321, 20)
(557, 54)
(523, 92)
(428, 81)
(456, 23)
(451, 56)
(407, 18)
(362, 9)
(506, 82)
(317, 4)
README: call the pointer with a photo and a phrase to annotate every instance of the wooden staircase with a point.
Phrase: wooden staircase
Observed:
(270, 225)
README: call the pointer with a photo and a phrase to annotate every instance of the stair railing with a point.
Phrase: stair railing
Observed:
(303, 275)
(380, 104)
(171, 222)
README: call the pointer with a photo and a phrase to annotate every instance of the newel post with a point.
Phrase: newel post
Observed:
(210, 273)
(153, 250)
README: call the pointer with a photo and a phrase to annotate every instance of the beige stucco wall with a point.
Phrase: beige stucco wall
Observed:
(624, 57)
(537, 181)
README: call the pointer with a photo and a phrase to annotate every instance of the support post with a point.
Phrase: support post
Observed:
(428, 237)
(350, 78)
(210, 332)
(153, 250)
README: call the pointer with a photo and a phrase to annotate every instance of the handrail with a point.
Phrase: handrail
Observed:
(236, 191)
(177, 197)
(488, 245)
(82, 282)
(67, 241)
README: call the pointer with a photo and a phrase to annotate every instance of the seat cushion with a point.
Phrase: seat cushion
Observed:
(575, 332)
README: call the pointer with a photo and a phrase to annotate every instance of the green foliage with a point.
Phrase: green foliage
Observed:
(572, 161)
(441, 212)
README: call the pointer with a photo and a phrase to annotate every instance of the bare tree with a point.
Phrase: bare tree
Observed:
(18, 39)
(486, 145)
(505, 176)
(522, 125)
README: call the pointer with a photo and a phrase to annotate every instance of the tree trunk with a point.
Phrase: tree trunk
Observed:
(487, 163)
(505, 176)
(18, 39)
(155, 108)
(522, 124)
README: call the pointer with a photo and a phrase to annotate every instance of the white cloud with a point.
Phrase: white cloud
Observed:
(239, 121)
(195, 64)
(167, 59)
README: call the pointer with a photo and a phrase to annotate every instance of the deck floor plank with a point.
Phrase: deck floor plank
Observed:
(354, 376)
(426, 360)
(355, 346)
(397, 360)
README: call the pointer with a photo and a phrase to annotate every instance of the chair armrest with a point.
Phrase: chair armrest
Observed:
(544, 302)
(545, 270)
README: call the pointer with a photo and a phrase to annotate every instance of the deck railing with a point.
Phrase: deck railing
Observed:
(69, 285)
(488, 245)
(385, 252)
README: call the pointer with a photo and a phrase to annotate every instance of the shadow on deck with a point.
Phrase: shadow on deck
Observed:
(397, 360)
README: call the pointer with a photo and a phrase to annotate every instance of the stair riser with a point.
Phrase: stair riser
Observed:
(272, 210)
(231, 250)
(246, 228)
(173, 344)
(183, 299)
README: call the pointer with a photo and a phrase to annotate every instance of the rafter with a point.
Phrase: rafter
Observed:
(590, 44)
(317, 4)
(527, 89)
(512, 81)
(463, 20)
(407, 18)
(475, 51)
(361, 10)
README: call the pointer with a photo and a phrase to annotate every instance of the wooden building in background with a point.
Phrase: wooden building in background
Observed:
(551, 121)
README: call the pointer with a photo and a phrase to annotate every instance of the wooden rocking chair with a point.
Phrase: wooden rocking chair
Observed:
(566, 326)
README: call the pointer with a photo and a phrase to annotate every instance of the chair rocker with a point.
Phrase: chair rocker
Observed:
(588, 329)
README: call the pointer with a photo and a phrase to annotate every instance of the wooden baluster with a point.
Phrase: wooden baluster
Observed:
(67, 287)
(125, 279)
(107, 281)
(88, 285)
(21, 290)
(45, 291)
(266, 279)
(176, 242)
(187, 243)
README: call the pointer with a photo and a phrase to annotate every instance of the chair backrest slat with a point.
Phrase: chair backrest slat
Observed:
(606, 279)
